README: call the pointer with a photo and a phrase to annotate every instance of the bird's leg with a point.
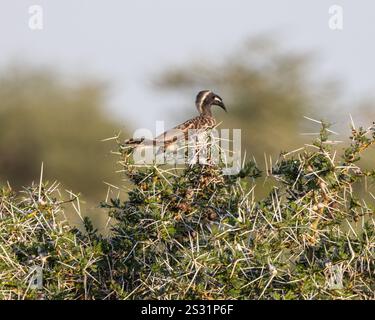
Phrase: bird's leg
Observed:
(208, 145)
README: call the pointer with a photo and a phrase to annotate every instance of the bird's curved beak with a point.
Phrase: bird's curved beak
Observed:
(221, 105)
(219, 102)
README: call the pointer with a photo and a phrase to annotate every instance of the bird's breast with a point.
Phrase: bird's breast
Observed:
(206, 123)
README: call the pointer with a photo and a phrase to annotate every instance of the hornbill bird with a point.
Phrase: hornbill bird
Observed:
(205, 121)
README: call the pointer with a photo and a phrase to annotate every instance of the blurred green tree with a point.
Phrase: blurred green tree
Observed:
(44, 117)
(267, 89)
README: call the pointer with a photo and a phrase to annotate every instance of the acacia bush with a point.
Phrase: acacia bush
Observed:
(41, 255)
(194, 233)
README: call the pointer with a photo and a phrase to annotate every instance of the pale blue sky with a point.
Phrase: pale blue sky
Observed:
(129, 42)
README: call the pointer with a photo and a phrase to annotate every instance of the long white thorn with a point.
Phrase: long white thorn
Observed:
(40, 182)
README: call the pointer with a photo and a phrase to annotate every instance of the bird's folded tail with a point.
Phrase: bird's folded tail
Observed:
(133, 141)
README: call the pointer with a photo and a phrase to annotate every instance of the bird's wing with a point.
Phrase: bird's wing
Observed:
(182, 130)
(177, 133)
(168, 136)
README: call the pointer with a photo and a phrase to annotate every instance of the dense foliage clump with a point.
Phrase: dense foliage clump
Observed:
(194, 233)
(200, 234)
(41, 255)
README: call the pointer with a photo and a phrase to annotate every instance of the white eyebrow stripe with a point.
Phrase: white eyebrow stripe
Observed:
(202, 99)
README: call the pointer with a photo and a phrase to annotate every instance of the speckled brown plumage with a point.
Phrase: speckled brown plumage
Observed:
(205, 121)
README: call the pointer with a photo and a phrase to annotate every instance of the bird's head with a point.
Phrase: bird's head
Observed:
(205, 99)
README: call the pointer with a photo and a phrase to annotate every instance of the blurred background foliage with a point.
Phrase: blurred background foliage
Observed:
(267, 89)
(45, 118)
(267, 92)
